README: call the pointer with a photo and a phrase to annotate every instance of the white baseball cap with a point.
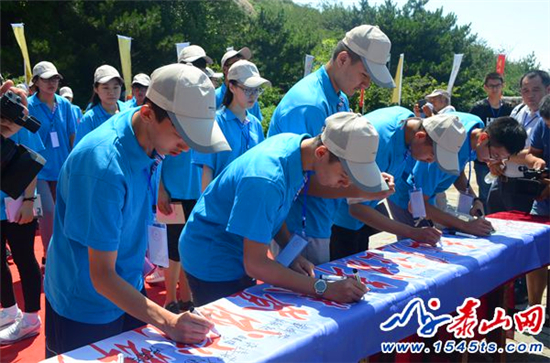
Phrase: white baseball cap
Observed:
(142, 79)
(373, 46)
(192, 53)
(189, 98)
(66, 92)
(439, 92)
(354, 141)
(247, 74)
(45, 70)
(244, 52)
(105, 73)
(448, 134)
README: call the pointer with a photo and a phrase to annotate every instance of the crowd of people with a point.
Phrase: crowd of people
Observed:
(320, 175)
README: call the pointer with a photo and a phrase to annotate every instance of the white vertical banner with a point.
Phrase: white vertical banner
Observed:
(179, 47)
(456, 66)
(308, 64)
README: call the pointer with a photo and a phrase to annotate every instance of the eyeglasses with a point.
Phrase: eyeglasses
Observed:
(495, 157)
(494, 86)
(249, 92)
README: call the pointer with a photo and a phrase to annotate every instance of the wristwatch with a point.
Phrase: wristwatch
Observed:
(320, 287)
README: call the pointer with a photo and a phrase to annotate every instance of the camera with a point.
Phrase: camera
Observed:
(19, 165)
(531, 184)
(13, 110)
(533, 174)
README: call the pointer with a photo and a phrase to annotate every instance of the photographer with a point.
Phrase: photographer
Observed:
(19, 233)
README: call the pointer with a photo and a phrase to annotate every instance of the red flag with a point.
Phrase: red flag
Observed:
(361, 98)
(501, 60)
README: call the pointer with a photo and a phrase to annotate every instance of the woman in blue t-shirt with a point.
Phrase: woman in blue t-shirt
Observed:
(242, 129)
(105, 100)
(57, 132)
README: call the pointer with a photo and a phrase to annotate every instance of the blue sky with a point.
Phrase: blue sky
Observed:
(517, 27)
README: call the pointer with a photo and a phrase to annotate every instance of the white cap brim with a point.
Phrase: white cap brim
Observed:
(447, 160)
(366, 176)
(192, 59)
(203, 135)
(48, 75)
(254, 82)
(108, 78)
(379, 74)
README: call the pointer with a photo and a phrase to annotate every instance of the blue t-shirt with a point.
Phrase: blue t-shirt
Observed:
(391, 157)
(181, 178)
(429, 176)
(77, 114)
(220, 93)
(240, 136)
(33, 142)
(131, 103)
(304, 110)
(540, 139)
(103, 202)
(249, 199)
(62, 122)
(93, 118)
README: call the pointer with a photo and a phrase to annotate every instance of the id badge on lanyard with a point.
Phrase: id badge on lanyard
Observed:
(54, 139)
(465, 201)
(418, 208)
(157, 251)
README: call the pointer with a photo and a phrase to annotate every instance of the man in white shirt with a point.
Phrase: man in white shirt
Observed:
(506, 192)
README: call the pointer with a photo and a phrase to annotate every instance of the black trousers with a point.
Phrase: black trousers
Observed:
(20, 238)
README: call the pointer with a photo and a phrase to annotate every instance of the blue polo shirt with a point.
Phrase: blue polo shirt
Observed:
(181, 178)
(103, 202)
(61, 121)
(391, 157)
(249, 199)
(33, 142)
(77, 114)
(220, 93)
(540, 139)
(429, 176)
(131, 103)
(241, 136)
(303, 110)
(93, 118)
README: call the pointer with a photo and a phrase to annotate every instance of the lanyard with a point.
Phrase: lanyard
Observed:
(158, 159)
(49, 113)
(304, 206)
(525, 124)
(106, 115)
(493, 110)
(469, 163)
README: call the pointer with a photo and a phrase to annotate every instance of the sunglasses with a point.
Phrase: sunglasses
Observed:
(249, 92)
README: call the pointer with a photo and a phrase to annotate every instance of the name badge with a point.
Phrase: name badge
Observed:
(158, 244)
(54, 139)
(293, 248)
(465, 201)
(418, 208)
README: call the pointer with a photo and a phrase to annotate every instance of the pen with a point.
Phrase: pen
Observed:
(332, 277)
(356, 274)
(462, 234)
(198, 313)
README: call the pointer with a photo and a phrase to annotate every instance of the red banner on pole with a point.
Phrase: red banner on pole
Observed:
(501, 60)
(361, 98)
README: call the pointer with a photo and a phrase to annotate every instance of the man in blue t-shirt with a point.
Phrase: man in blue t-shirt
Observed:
(94, 272)
(358, 58)
(403, 139)
(498, 141)
(225, 243)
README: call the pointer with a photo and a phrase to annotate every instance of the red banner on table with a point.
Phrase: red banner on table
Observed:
(501, 60)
